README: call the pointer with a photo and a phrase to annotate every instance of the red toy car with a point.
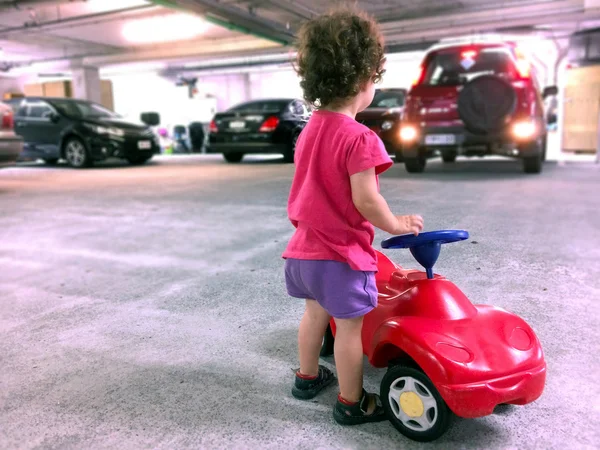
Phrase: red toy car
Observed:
(443, 353)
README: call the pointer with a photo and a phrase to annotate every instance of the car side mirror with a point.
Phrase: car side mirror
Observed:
(550, 91)
(151, 119)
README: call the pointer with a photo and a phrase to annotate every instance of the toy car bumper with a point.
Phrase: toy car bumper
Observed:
(479, 399)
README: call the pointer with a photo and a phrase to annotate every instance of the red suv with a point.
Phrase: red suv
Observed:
(475, 100)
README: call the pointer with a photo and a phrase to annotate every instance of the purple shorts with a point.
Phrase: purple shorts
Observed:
(344, 293)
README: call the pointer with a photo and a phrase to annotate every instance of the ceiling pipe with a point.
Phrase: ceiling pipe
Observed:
(69, 21)
(294, 7)
(233, 18)
(405, 35)
(466, 18)
(20, 4)
(391, 14)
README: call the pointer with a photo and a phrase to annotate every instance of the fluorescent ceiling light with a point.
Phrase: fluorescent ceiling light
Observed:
(173, 27)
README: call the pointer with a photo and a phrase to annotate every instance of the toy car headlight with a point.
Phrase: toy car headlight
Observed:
(454, 352)
(387, 125)
(520, 339)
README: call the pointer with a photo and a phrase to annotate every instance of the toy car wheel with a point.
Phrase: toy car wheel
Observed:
(328, 342)
(413, 404)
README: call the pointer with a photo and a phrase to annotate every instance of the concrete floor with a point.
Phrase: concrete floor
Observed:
(144, 307)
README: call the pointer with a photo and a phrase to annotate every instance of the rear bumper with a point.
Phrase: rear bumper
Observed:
(246, 147)
(480, 399)
(466, 143)
(9, 151)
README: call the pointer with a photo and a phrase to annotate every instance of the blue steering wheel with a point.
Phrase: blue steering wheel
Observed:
(426, 246)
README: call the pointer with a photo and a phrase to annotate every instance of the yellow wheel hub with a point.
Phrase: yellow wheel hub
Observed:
(411, 404)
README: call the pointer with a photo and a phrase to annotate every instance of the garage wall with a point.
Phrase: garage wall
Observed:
(134, 94)
(11, 85)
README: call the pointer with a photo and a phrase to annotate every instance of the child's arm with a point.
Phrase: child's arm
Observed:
(373, 207)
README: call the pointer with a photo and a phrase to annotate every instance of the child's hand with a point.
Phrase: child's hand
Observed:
(409, 224)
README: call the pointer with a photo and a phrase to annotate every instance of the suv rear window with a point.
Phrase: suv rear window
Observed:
(461, 66)
(387, 99)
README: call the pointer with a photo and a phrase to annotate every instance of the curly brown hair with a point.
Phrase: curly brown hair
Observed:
(337, 54)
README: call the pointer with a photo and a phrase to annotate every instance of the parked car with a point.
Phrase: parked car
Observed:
(261, 126)
(475, 100)
(79, 131)
(383, 117)
(11, 145)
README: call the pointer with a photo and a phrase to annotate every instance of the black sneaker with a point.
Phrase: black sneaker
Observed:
(356, 413)
(305, 389)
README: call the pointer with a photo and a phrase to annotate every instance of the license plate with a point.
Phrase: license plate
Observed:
(144, 145)
(440, 139)
(237, 125)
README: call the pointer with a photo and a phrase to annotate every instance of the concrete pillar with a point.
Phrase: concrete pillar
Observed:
(247, 87)
(86, 84)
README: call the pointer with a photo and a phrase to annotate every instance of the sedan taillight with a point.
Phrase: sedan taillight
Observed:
(269, 125)
(213, 128)
(8, 122)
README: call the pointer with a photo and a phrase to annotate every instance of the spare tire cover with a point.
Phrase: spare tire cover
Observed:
(486, 104)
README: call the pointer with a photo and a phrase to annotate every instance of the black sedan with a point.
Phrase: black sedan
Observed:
(260, 126)
(79, 131)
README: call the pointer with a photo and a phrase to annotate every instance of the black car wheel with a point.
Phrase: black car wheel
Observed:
(288, 156)
(233, 157)
(416, 164)
(449, 156)
(51, 161)
(76, 153)
(139, 160)
(328, 342)
(413, 404)
(534, 156)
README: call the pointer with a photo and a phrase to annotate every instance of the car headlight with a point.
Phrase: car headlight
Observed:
(387, 125)
(99, 129)
(524, 130)
(408, 133)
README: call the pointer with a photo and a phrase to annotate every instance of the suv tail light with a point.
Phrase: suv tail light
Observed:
(524, 69)
(469, 54)
(269, 125)
(213, 128)
(418, 76)
(8, 122)
(523, 66)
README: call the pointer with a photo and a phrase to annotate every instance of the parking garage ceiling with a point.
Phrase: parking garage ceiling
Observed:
(108, 32)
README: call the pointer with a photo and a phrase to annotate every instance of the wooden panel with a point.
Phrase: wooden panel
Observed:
(34, 90)
(582, 110)
(106, 93)
(57, 89)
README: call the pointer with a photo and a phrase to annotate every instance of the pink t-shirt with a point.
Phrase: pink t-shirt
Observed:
(332, 147)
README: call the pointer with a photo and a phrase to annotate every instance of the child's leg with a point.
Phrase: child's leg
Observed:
(348, 353)
(310, 337)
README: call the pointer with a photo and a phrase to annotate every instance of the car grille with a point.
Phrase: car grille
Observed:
(145, 134)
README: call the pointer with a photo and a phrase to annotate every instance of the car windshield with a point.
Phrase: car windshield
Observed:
(460, 67)
(388, 99)
(272, 106)
(82, 110)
